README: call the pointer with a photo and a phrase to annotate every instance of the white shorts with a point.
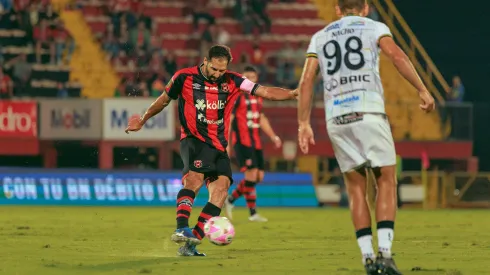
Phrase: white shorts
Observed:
(367, 142)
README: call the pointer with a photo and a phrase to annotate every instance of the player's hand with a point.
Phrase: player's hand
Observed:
(294, 93)
(134, 125)
(305, 138)
(428, 103)
(229, 150)
(277, 141)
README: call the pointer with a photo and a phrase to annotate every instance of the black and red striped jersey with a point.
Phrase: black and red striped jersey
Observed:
(246, 125)
(205, 107)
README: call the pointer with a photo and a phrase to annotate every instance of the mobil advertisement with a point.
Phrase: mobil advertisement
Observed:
(84, 187)
(18, 119)
(70, 119)
(118, 112)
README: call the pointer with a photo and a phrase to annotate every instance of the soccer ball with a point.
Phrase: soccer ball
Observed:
(219, 231)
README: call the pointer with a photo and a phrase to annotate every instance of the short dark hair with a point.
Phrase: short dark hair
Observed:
(220, 51)
(351, 4)
(250, 69)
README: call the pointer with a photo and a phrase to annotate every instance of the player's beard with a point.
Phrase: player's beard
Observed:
(210, 78)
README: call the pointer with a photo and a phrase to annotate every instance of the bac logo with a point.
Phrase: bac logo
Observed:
(198, 163)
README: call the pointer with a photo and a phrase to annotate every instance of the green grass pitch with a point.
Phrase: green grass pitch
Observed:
(123, 240)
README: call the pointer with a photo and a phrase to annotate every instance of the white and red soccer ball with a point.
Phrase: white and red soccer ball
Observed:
(219, 231)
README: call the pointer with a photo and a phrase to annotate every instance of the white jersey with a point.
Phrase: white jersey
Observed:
(348, 54)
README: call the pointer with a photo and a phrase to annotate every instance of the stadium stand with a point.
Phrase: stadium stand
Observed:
(35, 50)
(113, 57)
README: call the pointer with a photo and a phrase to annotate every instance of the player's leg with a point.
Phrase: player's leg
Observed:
(356, 183)
(252, 197)
(352, 164)
(381, 153)
(218, 192)
(192, 180)
(386, 207)
(218, 187)
(243, 155)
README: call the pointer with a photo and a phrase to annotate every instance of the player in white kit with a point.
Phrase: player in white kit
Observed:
(347, 53)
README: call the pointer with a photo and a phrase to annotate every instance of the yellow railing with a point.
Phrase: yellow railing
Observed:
(428, 72)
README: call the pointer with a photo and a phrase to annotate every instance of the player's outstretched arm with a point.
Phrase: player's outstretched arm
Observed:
(275, 93)
(265, 125)
(156, 107)
(407, 70)
(305, 100)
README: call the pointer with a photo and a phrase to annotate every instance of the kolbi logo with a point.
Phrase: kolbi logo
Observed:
(11, 121)
(348, 100)
(201, 105)
(70, 119)
(120, 119)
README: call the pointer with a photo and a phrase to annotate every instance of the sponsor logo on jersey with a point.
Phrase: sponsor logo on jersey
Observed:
(331, 85)
(333, 27)
(202, 118)
(354, 78)
(357, 23)
(348, 100)
(201, 105)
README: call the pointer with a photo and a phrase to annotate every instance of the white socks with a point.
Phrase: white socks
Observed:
(385, 241)
(366, 246)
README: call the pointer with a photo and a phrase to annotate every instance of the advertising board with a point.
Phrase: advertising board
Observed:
(70, 119)
(18, 119)
(118, 112)
(58, 187)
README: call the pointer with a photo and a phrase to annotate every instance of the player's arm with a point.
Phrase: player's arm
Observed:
(271, 93)
(265, 125)
(401, 62)
(156, 107)
(275, 93)
(172, 91)
(406, 69)
(305, 97)
(305, 90)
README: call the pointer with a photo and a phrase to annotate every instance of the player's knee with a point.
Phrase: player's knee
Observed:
(252, 174)
(260, 176)
(193, 181)
(385, 175)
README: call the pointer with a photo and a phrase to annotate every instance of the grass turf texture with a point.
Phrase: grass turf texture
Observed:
(96, 240)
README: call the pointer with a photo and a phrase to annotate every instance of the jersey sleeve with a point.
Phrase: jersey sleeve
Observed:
(175, 85)
(311, 51)
(244, 84)
(382, 31)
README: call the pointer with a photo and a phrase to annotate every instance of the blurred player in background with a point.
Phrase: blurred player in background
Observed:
(347, 52)
(246, 121)
(204, 94)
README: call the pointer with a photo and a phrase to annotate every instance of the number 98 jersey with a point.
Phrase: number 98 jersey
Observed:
(348, 54)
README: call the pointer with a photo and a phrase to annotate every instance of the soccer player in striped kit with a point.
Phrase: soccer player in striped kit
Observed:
(205, 95)
(246, 121)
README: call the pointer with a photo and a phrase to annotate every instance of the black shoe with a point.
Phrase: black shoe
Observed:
(371, 268)
(386, 266)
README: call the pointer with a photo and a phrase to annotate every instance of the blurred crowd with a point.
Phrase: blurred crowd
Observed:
(134, 44)
(135, 47)
(46, 41)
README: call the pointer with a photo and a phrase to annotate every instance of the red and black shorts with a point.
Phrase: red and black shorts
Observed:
(203, 158)
(249, 157)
